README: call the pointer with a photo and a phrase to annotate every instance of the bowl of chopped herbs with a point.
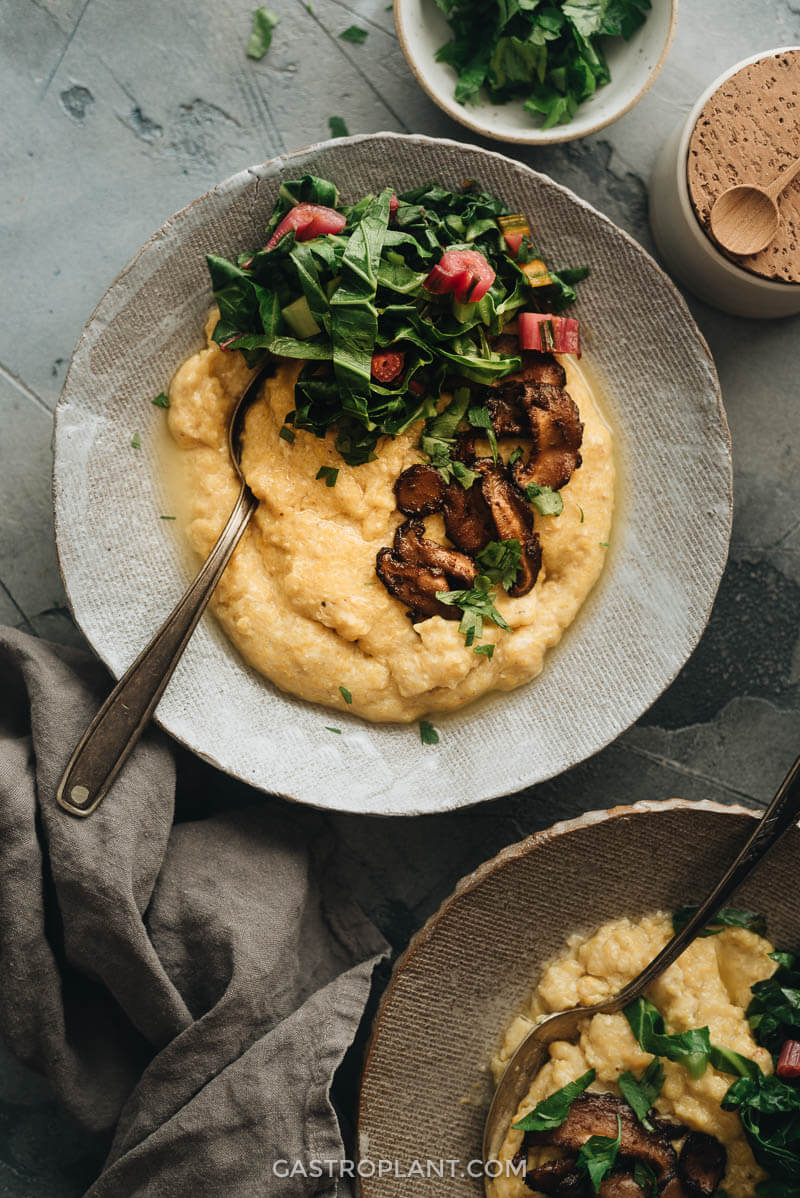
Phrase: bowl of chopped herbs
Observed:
(535, 71)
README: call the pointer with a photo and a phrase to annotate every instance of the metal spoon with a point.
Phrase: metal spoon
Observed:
(744, 219)
(112, 734)
(531, 1054)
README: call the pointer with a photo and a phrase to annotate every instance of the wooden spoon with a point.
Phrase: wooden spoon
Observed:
(744, 219)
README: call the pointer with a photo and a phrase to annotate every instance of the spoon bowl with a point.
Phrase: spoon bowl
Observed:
(744, 219)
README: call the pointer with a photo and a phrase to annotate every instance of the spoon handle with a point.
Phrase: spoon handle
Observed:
(778, 818)
(119, 723)
(783, 180)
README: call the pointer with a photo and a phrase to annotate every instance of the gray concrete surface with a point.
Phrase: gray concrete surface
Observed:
(117, 113)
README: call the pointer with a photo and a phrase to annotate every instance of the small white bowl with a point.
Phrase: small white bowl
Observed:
(687, 250)
(634, 65)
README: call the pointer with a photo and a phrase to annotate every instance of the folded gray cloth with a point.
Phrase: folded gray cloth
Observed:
(194, 986)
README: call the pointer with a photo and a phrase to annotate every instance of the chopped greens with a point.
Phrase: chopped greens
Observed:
(338, 731)
(647, 1180)
(691, 1048)
(337, 127)
(546, 501)
(769, 1109)
(640, 1095)
(329, 473)
(774, 1010)
(286, 434)
(548, 55)
(500, 560)
(167, 517)
(264, 21)
(427, 733)
(161, 400)
(345, 693)
(728, 917)
(487, 650)
(333, 301)
(136, 441)
(354, 34)
(598, 1156)
(553, 1110)
(477, 604)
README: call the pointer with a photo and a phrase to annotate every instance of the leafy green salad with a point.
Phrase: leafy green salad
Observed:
(384, 299)
(548, 53)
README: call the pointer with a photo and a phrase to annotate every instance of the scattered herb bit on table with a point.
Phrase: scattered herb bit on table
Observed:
(337, 126)
(161, 400)
(354, 34)
(264, 21)
(548, 55)
(427, 733)
(136, 441)
(338, 731)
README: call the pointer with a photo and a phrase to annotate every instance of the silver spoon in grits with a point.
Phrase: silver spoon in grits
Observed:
(532, 1053)
(112, 734)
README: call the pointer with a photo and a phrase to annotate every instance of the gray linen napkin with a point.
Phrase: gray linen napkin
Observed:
(196, 986)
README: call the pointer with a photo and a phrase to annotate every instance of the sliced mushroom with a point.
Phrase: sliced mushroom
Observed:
(620, 1184)
(506, 410)
(701, 1164)
(559, 1178)
(419, 491)
(411, 544)
(415, 585)
(596, 1115)
(673, 1189)
(557, 433)
(536, 367)
(467, 520)
(512, 519)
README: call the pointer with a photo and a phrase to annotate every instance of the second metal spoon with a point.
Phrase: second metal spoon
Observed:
(531, 1054)
(112, 734)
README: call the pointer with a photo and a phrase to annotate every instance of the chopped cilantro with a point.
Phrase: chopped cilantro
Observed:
(553, 1110)
(286, 434)
(598, 1156)
(264, 21)
(329, 473)
(487, 650)
(136, 441)
(345, 693)
(161, 400)
(478, 417)
(427, 733)
(546, 501)
(647, 1181)
(354, 34)
(515, 456)
(640, 1095)
(338, 731)
(477, 604)
(500, 560)
(337, 127)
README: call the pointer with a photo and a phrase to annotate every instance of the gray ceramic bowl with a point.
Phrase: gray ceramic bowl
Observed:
(426, 1085)
(124, 568)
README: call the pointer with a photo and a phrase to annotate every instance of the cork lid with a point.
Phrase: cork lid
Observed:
(748, 131)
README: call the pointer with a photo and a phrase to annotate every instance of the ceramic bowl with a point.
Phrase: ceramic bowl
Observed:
(688, 251)
(634, 65)
(124, 568)
(426, 1084)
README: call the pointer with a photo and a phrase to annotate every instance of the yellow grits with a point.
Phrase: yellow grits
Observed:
(300, 599)
(709, 985)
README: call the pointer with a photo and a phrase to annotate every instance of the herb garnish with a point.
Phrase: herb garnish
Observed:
(286, 434)
(264, 21)
(329, 473)
(487, 650)
(354, 34)
(769, 1109)
(647, 1180)
(500, 560)
(427, 733)
(692, 1048)
(553, 1110)
(546, 501)
(345, 693)
(136, 441)
(598, 1156)
(515, 455)
(774, 1011)
(337, 126)
(167, 517)
(640, 1095)
(161, 400)
(479, 417)
(477, 604)
(549, 55)
(728, 917)
(338, 731)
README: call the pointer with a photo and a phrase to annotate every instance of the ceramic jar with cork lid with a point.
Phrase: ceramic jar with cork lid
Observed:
(744, 129)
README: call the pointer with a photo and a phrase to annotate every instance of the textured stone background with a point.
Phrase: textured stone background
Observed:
(115, 114)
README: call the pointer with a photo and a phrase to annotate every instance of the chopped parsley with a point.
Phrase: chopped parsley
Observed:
(479, 417)
(598, 1156)
(329, 473)
(287, 434)
(439, 437)
(167, 517)
(640, 1095)
(647, 1181)
(427, 733)
(515, 455)
(136, 441)
(477, 605)
(345, 693)
(553, 1110)
(354, 34)
(487, 650)
(338, 731)
(264, 21)
(546, 501)
(337, 127)
(161, 400)
(500, 561)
